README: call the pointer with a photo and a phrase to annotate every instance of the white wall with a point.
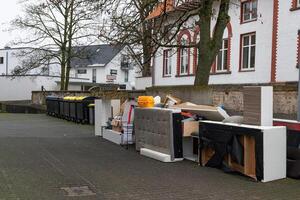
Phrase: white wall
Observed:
(20, 88)
(262, 74)
(142, 83)
(11, 61)
(289, 24)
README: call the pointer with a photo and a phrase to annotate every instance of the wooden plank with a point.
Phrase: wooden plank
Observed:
(206, 155)
(249, 156)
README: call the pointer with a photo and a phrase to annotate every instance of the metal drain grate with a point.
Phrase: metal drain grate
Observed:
(78, 191)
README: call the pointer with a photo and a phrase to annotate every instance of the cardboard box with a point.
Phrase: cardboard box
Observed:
(116, 125)
(117, 129)
(116, 122)
(189, 127)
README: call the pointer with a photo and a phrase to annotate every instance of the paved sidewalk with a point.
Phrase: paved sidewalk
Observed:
(40, 155)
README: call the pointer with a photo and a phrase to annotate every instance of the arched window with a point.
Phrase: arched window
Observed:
(183, 53)
(184, 58)
(222, 62)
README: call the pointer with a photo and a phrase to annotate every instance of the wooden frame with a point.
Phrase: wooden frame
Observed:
(249, 167)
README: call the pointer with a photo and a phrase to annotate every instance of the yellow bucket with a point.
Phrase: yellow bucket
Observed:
(146, 101)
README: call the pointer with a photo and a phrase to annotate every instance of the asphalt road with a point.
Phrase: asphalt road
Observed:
(43, 158)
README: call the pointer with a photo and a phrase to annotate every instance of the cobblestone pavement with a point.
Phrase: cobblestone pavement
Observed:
(40, 155)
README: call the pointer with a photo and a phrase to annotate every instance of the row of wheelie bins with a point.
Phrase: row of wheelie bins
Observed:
(76, 109)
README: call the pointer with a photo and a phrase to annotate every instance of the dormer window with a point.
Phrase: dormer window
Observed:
(249, 11)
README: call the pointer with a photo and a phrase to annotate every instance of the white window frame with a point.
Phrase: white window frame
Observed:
(251, 18)
(249, 46)
(223, 50)
(184, 59)
(94, 75)
(167, 63)
(298, 3)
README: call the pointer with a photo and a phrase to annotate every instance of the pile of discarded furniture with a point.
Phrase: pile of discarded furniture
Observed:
(248, 144)
(72, 108)
(114, 120)
(173, 130)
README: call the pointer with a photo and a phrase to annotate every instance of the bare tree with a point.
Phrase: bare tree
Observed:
(127, 24)
(211, 34)
(136, 24)
(53, 28)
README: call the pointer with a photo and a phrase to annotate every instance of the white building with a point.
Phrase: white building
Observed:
(105, 64)
(10, 60)
(19, 87)
(261, 45)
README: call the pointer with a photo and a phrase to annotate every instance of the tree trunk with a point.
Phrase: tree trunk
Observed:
(69, 49)
(63, 70)
(62, 77)
(63, 48)
(67, 77)
(146, 42)
(147, 61)
(210, 43)
(204, 66)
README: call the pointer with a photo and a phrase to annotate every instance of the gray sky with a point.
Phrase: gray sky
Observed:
(9, 9)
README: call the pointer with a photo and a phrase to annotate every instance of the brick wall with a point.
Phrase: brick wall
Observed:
(231, 97)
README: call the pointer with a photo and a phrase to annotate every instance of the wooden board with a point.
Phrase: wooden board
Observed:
(209, 112)
(249, 166)
(252, 105)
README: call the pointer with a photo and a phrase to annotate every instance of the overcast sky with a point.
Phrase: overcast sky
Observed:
(9, 9)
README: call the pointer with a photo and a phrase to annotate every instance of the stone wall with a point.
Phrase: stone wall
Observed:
(197, 95)
(231, 97)
(39, 97)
